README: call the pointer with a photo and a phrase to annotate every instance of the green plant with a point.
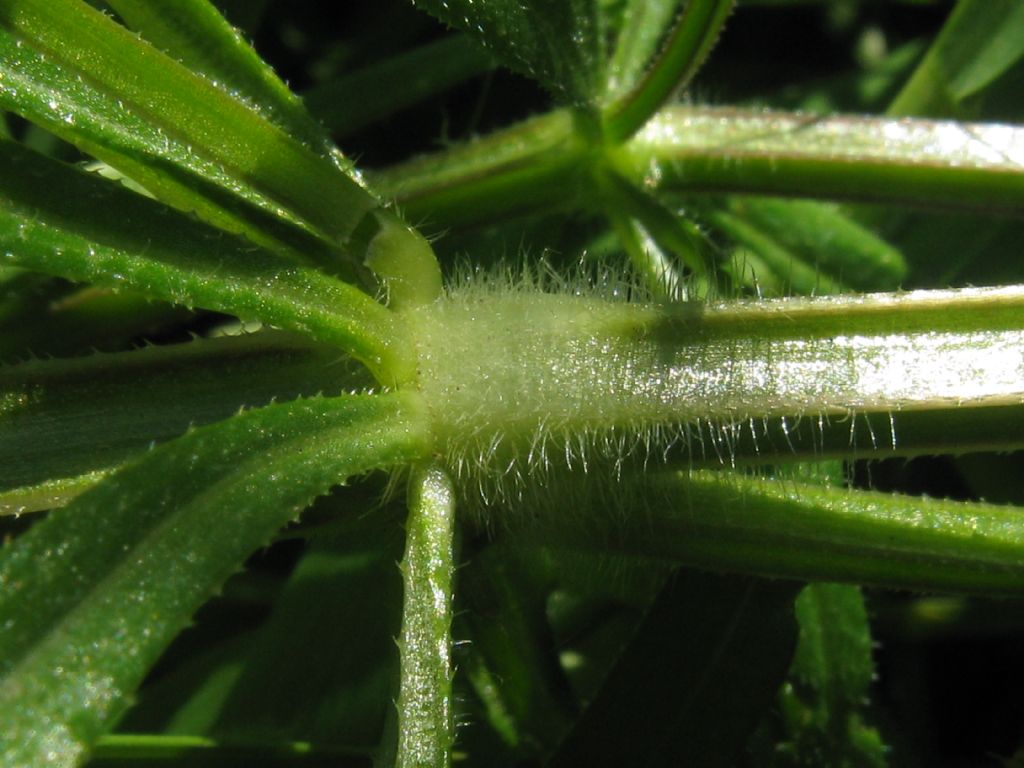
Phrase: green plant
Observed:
(589, 442)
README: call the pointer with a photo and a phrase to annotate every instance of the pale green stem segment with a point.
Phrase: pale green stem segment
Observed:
(959, 165)
(538, 370)
(425, 727)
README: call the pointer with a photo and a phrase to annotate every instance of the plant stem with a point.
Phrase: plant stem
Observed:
(425, 727)
(541, 375)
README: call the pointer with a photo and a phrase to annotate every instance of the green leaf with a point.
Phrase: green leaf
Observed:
(832, 671)
(690, 40)
(170, 751)
(642, 32)
(197, 35)
(512, 661)
(913, 162)
(63, 418)
(538, 164)
(657, 241)
(321, 668)
(384, 88)
(80, 75)
(980, 41)
(825, 239)
(861, 436)
(97, 590)
(82, 318)
(696, 678)
(781, 528)
(787, 269)
(559, 44)
(62, 221)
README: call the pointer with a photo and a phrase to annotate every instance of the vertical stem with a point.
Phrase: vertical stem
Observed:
(425, 731)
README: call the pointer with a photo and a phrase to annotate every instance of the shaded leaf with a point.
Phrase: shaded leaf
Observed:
(363, 97)
(979, 42)
(321, 669)
(788, 529)
(560, 44)
(828, 241)
(511, 656)
(703, 667)
(63, 418)
(163, 751)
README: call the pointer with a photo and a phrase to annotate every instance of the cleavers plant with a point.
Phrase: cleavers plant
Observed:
(627, 470)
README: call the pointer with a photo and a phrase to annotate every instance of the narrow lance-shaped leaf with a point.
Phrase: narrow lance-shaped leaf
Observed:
(823, 237)
(832, 671)
(787, 268)
(67, 417)
(979, 42)
(83, 318)
(867, 435)
(915, 162)
(781, 528)
(196, 34)
(655, 264)
(360, 98)
(98, 589)
(642, 31)
(544, 163)
(61, 221)
(509, 652)
(561, 45)
(658, 242)
(321, 668)
(89, 80)
(541, 162)
(178, 751)
(690, 40)
(700, 671)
